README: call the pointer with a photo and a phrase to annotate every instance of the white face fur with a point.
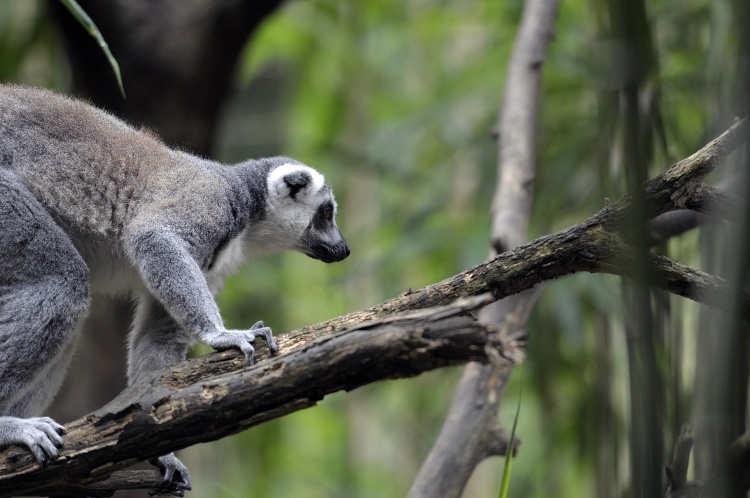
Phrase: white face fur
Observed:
(290, 206)
(278, 189)
(296, 194)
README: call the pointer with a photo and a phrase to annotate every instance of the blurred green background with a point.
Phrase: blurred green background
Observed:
(394, 101)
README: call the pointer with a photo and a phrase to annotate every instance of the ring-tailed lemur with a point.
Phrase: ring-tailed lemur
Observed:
(89, 204)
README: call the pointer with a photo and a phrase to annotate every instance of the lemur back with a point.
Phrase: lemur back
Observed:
(76, 158)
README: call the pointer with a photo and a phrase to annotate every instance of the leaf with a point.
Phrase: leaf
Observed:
(89, 25)
(505, 484)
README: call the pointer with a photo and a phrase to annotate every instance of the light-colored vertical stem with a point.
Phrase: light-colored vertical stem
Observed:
(472, 417)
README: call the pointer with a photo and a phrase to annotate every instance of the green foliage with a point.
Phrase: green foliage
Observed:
(395, 101)
(28, 53)
(508, 468)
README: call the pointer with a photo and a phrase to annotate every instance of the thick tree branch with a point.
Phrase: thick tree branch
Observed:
(711, 205)
(169, 416)
(462, 438)
(715, 202)
(117, 481)
(534, 262)
(212, 396)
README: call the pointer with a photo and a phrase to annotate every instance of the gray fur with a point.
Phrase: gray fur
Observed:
(89, 204)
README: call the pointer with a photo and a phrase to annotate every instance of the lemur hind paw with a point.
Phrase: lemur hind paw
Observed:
(175, 476)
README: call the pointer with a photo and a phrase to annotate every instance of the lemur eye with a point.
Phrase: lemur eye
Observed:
(328, 213)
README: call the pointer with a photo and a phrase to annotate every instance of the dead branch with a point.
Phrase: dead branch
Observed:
(674, 223)
(677, 470)
(678, 485)
(472, 417)
(172, 411)
(207, 398)
(718, 203)
(118, 480)
(594, 245)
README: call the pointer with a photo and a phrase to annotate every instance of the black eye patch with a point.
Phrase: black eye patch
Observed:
(323, 216)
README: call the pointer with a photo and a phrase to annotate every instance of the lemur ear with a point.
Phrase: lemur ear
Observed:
(296, 181)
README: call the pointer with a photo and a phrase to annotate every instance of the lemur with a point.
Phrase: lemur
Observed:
(89, 204)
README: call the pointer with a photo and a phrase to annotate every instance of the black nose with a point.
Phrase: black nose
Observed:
(340, 253)
(330, 254)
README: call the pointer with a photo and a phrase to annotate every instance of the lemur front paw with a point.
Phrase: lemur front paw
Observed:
(175, 476)
(243, 339)
(41, 435)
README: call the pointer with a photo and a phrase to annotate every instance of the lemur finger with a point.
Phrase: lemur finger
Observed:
(50, 448)
(249, 352)
(51, 432)
(41, 447)
(39, 435)
(59, 428)
(39, 454)
(266, 334)
(165, 468)
(184, 481)
(167, 476)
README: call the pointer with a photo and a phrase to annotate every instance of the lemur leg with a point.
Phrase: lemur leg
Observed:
(41, 392)
(156, 341)
(174, 278)
(43, 298)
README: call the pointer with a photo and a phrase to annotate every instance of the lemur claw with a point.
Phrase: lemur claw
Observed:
(266, 334)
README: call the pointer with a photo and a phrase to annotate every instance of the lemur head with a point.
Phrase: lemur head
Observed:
(301, 204)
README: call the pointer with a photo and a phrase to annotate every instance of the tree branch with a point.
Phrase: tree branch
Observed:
(677, 470)
(717, 203)
(169, 416)
(117, 481)
(673, 223)
(711, 204)
(584, 246)
(213, 396)
(472, 417)
(462, 438)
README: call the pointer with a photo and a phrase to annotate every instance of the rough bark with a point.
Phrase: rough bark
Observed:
(208, 397)
(713, 205)
(172, 410)
(118, 481)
